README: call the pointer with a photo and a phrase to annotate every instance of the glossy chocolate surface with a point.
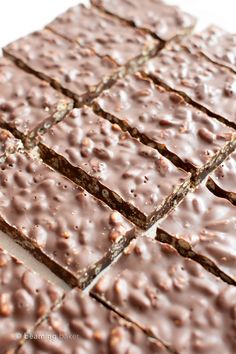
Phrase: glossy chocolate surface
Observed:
(205, 83)
(8, 144)
(66, 65)
(24, 298)
(58, 218)
(165, 21)
(216, 43)
(137, 173)
(103, 33)
(83, 326)
(164, 118)
(208, 224)
(225, 175)
(27, 102)
(171, 297)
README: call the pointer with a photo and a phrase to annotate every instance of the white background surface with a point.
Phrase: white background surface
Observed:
(20, 17)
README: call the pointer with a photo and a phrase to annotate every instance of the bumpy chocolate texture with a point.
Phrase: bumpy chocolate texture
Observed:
(8, 144)
(163, 20)
(28, 105)
(172, 298)
(82, 325)
(105, 34)
(208, 85)
(223, 180)
(77, 71)
(203, 227)
(162, 119)
(24, 298)
(69, 230)
(216, 44)
(129, 176)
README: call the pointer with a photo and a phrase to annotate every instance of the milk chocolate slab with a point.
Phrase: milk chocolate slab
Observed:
(162, 20)
(82, 325)
(62, 225)
(28, 105)
(76, 71)
(172, 298)
(25, 298)
(222, 181)
(216, 44)
(164, 120)
(209, 86)
(203, 227)
(8, 144)
(129, 176)
(105, 34)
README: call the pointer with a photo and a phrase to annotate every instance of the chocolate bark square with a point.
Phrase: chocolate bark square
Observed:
(28, 105)
(70, 231)
(78, 72)
(25, 299)
(164, 120)
(162, 20)
(129, 176)
(203, 227)
(105, 34)
(171, 297)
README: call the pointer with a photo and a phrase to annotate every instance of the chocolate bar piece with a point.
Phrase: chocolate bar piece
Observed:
(203, 227)
(105, 34)
(129, 176)
(8, 144)
(222, 181)
(78, 72)
(25, 298)
(216, 44)
(82, 325)
(164, 120)
(28, 105)
(172, 298)
(69, 230)
(209, 86)
(163, 20)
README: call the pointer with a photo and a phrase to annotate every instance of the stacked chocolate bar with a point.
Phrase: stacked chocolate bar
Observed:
(115, 123)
